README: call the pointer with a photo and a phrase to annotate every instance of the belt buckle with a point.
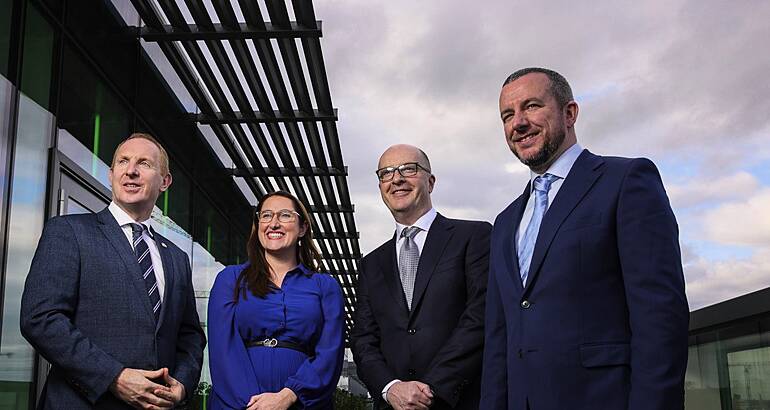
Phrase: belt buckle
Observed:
(270, 342)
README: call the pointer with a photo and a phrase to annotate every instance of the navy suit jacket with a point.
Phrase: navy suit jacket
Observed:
(440, 341)
(602, 321)
(85, 309)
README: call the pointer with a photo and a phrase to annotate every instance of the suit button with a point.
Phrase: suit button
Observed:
(411, 331)
(412, 372)
(525, 304)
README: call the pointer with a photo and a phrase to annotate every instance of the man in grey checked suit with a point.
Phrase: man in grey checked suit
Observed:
(109, 302)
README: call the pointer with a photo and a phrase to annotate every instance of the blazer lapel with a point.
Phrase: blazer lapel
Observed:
(510, 251)
(580, 179)
(388, 265)
(112, 231)
(438, 237)
(169, 274)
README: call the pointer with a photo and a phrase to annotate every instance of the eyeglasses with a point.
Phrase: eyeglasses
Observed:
(284, 215)
(409, 169)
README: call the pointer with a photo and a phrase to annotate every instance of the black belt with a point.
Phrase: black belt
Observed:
(272, 342)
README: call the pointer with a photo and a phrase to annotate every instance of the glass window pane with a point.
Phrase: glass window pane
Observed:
(37, 58)
(27, 208)
(89, 110)
(750, 378)
(6, 7)
(702, 378)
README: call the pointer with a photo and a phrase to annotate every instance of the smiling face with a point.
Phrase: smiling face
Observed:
(537, 129)
(137, 177)
(408, 198)
(276, 237)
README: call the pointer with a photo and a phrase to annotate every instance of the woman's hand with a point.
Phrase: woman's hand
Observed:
(272, 401)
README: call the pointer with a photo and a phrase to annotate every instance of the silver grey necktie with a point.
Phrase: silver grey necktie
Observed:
(408, 259)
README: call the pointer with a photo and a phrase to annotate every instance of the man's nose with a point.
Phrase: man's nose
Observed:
(397, 177)
(132, 169)
(519, 122)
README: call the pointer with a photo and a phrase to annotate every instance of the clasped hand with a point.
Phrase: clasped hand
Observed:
(412, 395)
(137, 388)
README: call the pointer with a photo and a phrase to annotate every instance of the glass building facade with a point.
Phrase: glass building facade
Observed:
(74, 82)
(728, 366)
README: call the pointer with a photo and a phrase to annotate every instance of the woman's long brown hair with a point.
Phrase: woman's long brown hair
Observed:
(256, 275)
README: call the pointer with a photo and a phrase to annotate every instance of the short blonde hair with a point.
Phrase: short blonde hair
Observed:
(163, 154)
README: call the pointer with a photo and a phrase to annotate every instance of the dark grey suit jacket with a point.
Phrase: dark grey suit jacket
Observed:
(438, 342)
(85, 309)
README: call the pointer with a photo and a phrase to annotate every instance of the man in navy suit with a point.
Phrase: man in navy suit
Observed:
(585, 306)
(109, 302)
(418, 334)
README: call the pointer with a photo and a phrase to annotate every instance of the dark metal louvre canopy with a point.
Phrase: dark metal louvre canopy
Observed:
(291, 147)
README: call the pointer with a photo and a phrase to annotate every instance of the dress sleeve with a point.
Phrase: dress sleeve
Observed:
(316, 379)
(233, 382)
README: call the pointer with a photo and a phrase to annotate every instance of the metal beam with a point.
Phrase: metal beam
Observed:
(287, 172)
(260, 117)
(317, 209)
(337, 256)
(194, 32)
(336, 235)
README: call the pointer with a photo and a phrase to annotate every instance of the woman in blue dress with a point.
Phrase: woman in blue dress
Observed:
(275, 325)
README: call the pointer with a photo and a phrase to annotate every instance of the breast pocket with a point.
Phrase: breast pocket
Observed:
(453, 263)
(609, 354)
(582, 221)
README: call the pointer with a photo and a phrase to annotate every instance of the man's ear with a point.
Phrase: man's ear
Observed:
(571, 113)
(166, 182)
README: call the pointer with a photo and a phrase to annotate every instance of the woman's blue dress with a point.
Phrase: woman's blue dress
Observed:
(307, 309)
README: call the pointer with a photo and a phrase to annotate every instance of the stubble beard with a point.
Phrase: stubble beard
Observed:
(545, 154)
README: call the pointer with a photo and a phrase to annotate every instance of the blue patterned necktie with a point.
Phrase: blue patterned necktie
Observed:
(408, 259)
(542, 184)
(142, 252)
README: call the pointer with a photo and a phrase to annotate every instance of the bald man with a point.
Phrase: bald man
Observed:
(418, 334)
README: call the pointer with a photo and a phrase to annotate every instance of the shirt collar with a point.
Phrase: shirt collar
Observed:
(124, 219)
(424, 222)
(561, 166)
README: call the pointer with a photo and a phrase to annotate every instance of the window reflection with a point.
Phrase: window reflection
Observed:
(26, 215)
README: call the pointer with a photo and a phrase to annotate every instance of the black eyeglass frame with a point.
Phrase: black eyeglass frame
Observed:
(400, 169)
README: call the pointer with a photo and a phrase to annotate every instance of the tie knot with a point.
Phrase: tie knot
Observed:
(543, 182)
(137, 228)
(410, 232)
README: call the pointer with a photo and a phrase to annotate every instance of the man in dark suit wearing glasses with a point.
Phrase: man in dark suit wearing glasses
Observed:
(418, 334)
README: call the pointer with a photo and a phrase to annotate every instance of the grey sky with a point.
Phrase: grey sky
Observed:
(681, 82)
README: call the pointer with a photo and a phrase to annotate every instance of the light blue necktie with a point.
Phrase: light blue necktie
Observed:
(542, 184)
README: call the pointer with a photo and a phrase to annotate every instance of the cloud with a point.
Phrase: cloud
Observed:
(710, 282)
(680, 82)
(741, 222)
(693, 192)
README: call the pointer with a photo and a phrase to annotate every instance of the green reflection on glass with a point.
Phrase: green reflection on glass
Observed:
(208, 238)
(95, 160)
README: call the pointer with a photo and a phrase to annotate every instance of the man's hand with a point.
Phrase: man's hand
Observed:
(136, 388)
(412, 395)
(175, 390)
(272, 401)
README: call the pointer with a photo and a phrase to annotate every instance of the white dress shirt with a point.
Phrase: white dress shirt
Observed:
(124, 220)
(424, 223)
(559, 168)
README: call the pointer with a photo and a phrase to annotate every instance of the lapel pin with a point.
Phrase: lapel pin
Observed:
(163, 244)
